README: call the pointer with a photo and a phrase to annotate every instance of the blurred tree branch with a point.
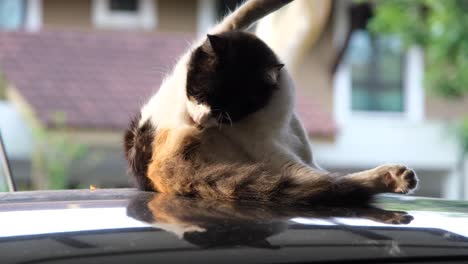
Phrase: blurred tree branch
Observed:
(441, 29)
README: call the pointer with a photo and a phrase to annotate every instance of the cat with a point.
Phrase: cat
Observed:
(223, 126)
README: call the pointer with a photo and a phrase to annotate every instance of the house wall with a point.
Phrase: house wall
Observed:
(373, 141)
(366, 142)
(445, 109)
(73, 14)
(313, 76)
(177, 15)
(171, 15)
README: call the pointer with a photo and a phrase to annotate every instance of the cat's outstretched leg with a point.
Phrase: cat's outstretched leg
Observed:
(387, 178)
(304, 184)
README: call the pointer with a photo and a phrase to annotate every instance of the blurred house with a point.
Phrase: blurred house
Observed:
(127, 15)
(360, 96)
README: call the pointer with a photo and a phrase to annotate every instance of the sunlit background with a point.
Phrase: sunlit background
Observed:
(377, 82)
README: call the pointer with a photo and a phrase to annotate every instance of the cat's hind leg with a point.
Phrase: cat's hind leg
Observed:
(301, 183)
(387, 179)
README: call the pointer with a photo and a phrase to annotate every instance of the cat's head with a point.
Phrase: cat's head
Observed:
(230, 76)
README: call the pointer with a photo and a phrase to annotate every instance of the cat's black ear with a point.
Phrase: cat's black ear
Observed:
(218, 44)
(273, 72)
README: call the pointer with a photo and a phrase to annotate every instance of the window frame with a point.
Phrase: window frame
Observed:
(413, 73)
(375, 82)
(144, 19)
(413, 92)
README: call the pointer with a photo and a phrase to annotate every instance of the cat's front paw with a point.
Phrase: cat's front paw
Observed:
(398, 178)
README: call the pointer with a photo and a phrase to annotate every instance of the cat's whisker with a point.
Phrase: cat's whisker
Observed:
(229, 118)
(219, 120)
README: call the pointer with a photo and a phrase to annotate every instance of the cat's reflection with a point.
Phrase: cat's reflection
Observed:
(214, 223)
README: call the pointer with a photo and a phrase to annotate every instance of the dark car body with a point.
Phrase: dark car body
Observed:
(128, 226)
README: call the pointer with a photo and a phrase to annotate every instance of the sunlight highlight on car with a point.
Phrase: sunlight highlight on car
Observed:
(33, 222)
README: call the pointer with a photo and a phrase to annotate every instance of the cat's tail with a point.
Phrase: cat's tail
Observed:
(247, 14)
(293, 30)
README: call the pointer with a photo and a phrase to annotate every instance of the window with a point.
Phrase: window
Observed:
(125, 14)
(377, 66)
(11, 14)
(124, 5)
(378, 77)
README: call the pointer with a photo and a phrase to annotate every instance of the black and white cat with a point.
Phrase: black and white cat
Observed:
(222, 125)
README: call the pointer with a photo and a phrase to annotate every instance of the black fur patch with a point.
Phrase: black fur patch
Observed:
(138, 143)
(230, 73)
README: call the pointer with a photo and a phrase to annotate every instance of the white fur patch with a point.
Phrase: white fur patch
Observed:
(200, 114)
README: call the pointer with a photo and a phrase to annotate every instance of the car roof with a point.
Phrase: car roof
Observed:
(124, 225)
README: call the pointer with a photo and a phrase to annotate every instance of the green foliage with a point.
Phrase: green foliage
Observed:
(441, 28)
(55, 153)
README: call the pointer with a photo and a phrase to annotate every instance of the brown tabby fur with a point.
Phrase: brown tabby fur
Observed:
(180, 167)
